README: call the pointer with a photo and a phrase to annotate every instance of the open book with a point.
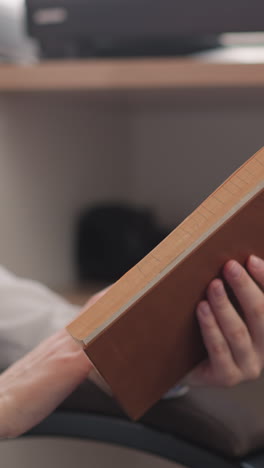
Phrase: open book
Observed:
(143, 336)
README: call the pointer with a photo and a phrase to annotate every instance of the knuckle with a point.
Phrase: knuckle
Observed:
(239, 335)
(219, 348)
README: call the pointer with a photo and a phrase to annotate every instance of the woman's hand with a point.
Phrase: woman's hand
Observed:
(235, 346)
(36, 384)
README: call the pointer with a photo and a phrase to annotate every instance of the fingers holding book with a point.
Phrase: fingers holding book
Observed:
(235, 343)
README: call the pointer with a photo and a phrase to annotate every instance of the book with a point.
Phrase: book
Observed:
(143, 335)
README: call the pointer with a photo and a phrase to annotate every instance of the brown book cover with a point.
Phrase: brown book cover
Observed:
(143, 335)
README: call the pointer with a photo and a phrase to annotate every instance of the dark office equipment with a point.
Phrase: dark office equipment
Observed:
(85, 28)
(113, 238)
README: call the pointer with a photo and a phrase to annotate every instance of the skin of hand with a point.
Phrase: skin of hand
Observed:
(235, 346)
(35, 385)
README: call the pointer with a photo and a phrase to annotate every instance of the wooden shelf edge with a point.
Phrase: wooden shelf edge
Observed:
(134, 74)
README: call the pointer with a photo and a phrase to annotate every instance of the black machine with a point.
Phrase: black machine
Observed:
(112, 238)
(83, 28)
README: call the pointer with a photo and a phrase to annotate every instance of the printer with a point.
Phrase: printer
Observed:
(87, 28)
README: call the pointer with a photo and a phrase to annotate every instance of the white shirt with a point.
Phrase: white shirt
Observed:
(29, 313)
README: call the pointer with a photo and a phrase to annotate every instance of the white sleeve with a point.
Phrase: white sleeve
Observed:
(29, 312)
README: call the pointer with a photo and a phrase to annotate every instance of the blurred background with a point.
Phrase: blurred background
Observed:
(170, 102)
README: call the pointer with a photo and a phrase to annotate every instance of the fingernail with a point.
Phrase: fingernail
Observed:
(204, 309)
(234, 269)
(218, 288)
(255, 261)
